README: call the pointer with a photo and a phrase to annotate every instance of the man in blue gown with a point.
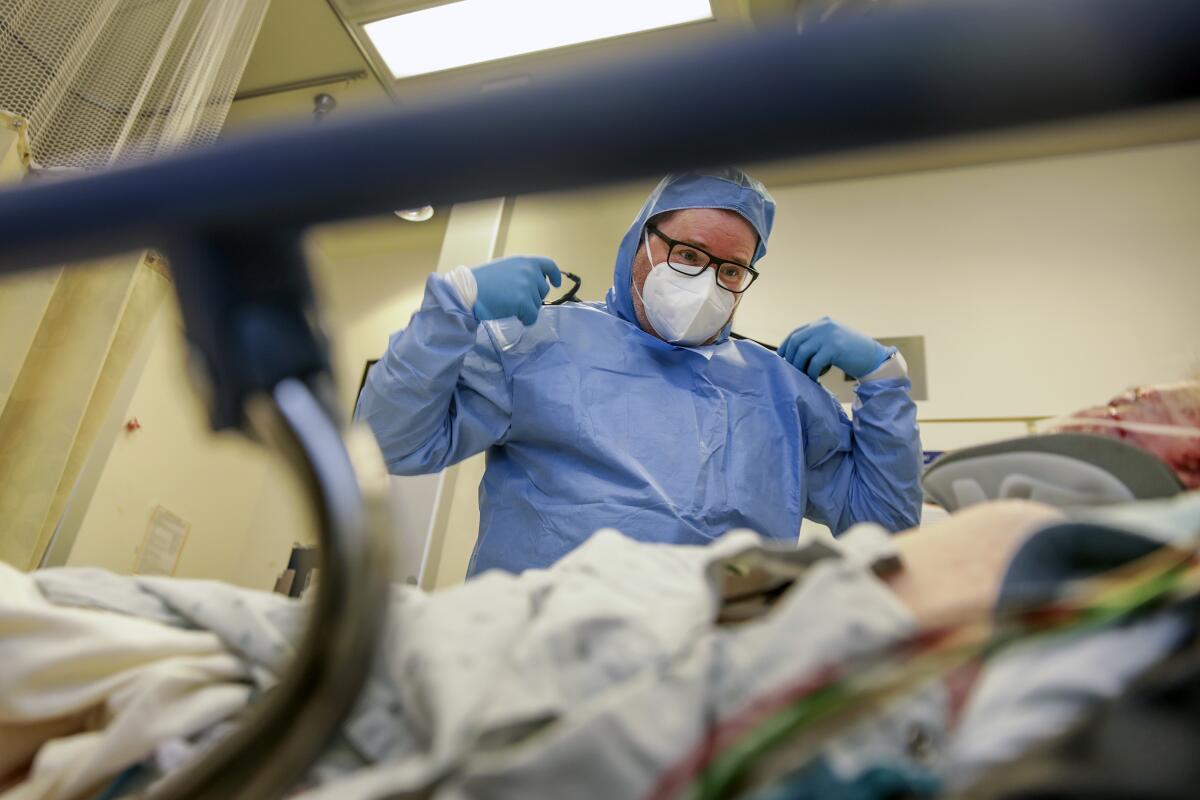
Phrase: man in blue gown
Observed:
(641, 414)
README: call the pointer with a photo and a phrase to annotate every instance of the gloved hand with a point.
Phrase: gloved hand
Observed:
(812, 348)
(514, 287)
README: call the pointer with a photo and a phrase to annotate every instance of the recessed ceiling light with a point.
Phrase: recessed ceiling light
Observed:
(416, 214)
(474, 31)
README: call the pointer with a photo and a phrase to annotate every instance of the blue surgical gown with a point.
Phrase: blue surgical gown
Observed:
(589, 422)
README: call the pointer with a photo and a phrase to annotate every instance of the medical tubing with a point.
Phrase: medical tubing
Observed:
(844, 695)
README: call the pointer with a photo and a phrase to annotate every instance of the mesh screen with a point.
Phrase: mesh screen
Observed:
(102, 81)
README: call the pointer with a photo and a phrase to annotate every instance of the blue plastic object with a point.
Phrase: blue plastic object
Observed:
(932, 70)
(896, 76)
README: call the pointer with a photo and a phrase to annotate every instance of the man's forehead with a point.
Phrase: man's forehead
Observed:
(712, 228)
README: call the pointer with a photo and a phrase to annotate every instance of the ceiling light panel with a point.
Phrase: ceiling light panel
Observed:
(475, 31)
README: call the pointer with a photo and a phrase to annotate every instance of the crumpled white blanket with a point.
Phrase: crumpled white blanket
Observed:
(91, 691)
(600, 671)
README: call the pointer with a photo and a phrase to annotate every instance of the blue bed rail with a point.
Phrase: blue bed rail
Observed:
(228, 217)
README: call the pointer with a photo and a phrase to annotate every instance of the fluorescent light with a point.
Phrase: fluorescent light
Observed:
(474, 31)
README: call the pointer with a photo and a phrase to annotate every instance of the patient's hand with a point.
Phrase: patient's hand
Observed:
(956, 565)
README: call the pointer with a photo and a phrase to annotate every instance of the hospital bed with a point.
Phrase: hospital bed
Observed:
(230, 220)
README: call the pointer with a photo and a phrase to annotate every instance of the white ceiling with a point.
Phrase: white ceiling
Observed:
(305, 39)
(299, 39)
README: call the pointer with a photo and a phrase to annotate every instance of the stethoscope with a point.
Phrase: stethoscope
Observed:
(570, 296)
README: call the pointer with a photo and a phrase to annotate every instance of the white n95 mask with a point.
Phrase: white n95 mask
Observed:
(684, 309)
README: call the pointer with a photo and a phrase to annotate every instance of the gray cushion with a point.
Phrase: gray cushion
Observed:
(1060, 469)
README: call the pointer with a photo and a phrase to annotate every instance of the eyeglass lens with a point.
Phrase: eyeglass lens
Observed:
(690, 261)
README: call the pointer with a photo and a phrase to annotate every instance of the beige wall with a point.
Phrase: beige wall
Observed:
(244, 510)
(1040, 286)
(370, 277)
(243, 517)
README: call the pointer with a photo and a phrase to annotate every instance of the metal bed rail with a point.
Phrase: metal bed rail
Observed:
(230, 219)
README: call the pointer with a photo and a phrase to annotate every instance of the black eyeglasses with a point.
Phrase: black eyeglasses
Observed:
(688, 259)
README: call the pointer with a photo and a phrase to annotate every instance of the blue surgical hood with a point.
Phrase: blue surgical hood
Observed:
(730, 189)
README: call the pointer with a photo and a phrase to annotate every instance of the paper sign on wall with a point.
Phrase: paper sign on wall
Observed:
(162, 544)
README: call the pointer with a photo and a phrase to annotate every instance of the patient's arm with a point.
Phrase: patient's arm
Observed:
(949, 569)
(956, 565)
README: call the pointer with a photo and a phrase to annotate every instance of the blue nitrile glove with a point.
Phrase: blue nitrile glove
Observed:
(814, 347)
(514, 287)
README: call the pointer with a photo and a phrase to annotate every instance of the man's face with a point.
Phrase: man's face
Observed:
(724, 234)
